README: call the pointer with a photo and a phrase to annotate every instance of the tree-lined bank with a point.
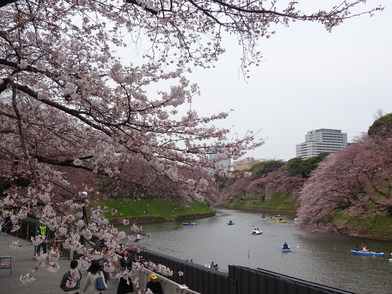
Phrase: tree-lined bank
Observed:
(349, 191)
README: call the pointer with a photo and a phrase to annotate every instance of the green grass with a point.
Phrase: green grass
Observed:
(381, 223)
(278, 201)
(155, 208)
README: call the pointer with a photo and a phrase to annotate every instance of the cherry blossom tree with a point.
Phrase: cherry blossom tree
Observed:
(263, 181)
(356, 182)
(70, 104)
(143, 182)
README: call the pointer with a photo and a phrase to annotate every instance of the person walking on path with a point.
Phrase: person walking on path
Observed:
(154, 285)
(90, 285)
(125, 285)
(70, 283)
(103, 260)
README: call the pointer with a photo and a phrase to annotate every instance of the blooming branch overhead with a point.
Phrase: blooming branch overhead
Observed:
(71, 107)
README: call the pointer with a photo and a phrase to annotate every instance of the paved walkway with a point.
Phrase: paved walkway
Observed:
(22, 263)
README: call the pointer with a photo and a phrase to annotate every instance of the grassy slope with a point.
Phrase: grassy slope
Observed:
(155, 209)
(377, 227)
(277, 202)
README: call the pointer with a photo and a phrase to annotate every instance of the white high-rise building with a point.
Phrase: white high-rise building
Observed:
(321, 140)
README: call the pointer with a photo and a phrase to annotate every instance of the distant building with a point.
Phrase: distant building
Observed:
(244, 164)
(321, 140)
(219, 161)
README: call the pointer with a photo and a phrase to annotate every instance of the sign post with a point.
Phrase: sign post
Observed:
(5, 262)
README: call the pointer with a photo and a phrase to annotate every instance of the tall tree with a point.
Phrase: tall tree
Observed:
(304, 167)
(356, 182)
(69, 102)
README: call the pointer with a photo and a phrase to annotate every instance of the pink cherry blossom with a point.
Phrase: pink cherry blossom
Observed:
(27, 278)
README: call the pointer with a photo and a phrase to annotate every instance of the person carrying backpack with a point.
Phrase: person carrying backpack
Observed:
(94, 274)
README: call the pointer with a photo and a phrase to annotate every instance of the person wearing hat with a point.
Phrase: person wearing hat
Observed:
(154, 285)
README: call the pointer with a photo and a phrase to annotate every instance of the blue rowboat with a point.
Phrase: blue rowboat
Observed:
(286, 250)
(189, 224)
(367, 253)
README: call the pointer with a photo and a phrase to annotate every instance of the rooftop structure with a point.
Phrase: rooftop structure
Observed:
(245, 164)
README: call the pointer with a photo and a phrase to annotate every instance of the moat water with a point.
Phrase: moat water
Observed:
(321, 258)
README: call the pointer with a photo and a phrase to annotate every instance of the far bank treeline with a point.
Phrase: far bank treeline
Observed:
(349, 191)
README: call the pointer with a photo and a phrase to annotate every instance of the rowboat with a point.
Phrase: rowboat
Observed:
(256, 232)
(286, 248)
(230, 223)
(189, 224)
(279, 219)
(367, 253)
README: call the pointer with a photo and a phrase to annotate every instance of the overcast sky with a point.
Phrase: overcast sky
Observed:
(309, 79)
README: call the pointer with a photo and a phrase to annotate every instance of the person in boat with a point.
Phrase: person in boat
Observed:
(378, 250)
(285, 246)
(364, 249)
(356, 248)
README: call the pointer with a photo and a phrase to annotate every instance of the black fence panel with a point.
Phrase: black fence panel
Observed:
(302, 289)
(262, 284)
(281, 286)
(253, 282)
